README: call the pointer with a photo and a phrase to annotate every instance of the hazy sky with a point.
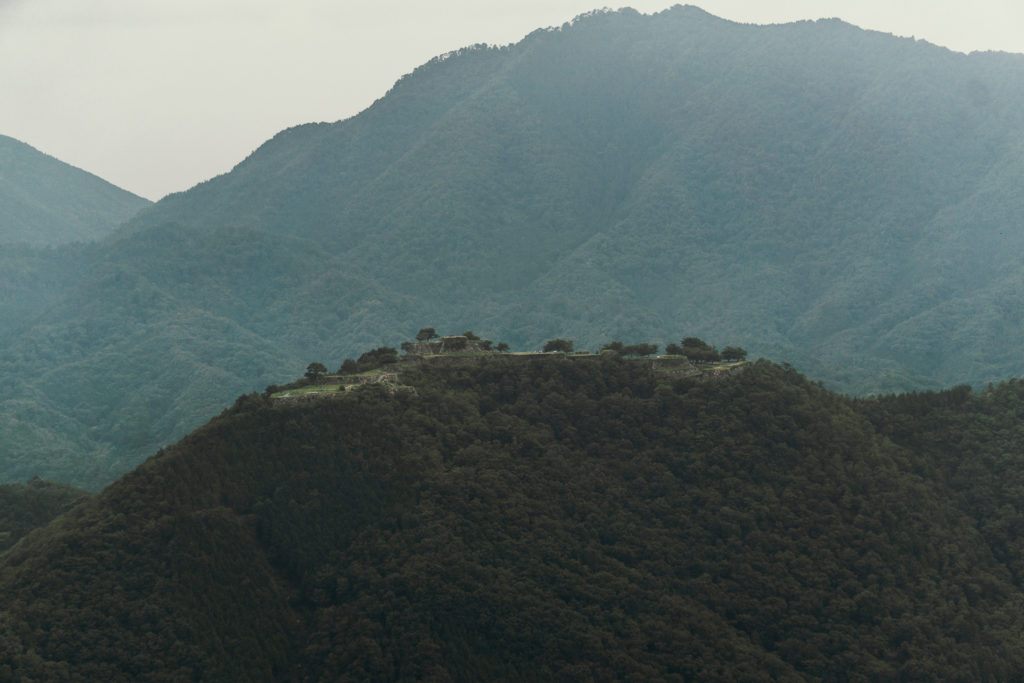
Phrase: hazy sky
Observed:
(156, 95)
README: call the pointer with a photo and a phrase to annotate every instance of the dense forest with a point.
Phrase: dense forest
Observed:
(840, 199)
(28, 506)
(45, 202)
(557, 518)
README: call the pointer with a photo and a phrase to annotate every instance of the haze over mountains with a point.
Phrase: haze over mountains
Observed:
(45, 202)
(841, 199)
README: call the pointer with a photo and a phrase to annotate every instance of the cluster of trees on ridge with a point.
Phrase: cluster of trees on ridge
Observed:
(692, 348)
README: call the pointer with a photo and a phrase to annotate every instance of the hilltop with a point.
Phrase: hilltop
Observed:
(383, 367)
(840, 199)
(46, 202)
(525, 518)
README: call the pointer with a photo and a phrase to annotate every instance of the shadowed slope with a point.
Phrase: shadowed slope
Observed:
(528, 519)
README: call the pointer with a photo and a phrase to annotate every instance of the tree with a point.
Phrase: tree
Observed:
(699, 351)
(378, 357)
(349, 367)
(701, 355)
(407, 347)
(615, 346)
(315, 371)
(674, 350)
(471, 336)
(502, 347)
(558, 345)
(426, 334)
(732, 353)
(640, 350)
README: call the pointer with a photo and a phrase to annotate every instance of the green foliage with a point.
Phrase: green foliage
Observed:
(558, 345)
(376, 358)
(45, 202)
(546, 519)
(631, 349)
(699, 351)
(315, 371)
(640, 350)
(734, 353)
(24, 507)
(803, 191)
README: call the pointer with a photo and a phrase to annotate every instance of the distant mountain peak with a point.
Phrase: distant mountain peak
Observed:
(692, 11)
(45, 201)
(839, 198)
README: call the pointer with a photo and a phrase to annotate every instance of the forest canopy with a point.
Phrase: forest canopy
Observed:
(554, 517)
(479, 193)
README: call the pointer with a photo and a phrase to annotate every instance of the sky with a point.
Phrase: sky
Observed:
(157, 95)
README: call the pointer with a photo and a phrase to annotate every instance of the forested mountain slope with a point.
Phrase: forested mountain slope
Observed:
(45, 202)
(841, 199)
(546, 519)
(24, 507)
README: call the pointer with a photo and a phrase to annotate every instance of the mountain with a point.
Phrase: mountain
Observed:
(839, 199)
(45, 202)
(561, 518)
(24, 507)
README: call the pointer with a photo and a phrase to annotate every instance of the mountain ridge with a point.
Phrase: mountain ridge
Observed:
(628, 176)
(47, 202)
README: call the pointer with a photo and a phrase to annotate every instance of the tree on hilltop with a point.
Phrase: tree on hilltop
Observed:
(375, 358)
(558, 345)
(426, 334)
(695, 343)
(733, 353)
(699, 351)
(640, 350)
(315, 372)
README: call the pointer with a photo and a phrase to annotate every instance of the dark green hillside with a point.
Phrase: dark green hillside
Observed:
(45, 202)
(977, 442)
(24, 507)
(841, 199)
(543, 519)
